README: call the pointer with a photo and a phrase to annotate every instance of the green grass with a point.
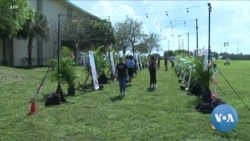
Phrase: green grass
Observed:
(164, 114)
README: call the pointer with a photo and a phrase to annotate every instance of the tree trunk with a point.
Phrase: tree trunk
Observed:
(124, 50)
(77, 52)
(30, 42)
(133, 50)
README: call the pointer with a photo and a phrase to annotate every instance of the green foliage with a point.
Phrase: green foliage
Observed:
(67, 72)
(13, 16)
(101, 61)
(65, 52)
(67, 68)
(183, 64)
(202, 75)
(129, 33)
(36, 25)
(152, 42)
(51, 62)
(179, 52)
(168, 53)
(84, 33)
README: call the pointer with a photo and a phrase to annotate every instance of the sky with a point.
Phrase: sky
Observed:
(175, 21)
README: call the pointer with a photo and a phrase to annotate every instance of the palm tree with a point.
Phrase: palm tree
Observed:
(36, 26)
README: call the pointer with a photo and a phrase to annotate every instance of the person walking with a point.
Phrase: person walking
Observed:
(166, 63)
(152, 72)
(121, 73)
(136, 66)
(159, 62)
(131, 68)
(172, 63)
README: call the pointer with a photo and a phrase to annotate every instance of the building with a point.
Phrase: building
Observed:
(16, 55)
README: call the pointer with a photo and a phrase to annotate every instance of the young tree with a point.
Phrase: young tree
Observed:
(36, 26)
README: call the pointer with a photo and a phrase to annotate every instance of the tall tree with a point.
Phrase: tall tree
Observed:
(122, 41)
(72, 32)
(102, 34)
(86, 33)
(36, 26)
(129, 33)
(152, 42)
(13, 15)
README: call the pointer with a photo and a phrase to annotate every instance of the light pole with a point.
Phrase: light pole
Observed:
(181, 45)
(226, 44)
(59, 89)
(209, 51)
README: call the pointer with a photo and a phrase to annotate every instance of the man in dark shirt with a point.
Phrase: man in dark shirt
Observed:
(122, 74)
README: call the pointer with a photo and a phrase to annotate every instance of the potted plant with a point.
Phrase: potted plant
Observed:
(101, 62)
(202, 77)
(67, 72)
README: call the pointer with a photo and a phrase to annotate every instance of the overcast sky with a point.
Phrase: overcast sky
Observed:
(230, 21)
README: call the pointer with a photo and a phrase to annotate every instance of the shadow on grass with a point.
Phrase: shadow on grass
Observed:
(116, 98)
(151, 89)
(88, 88)
(194, 102)
(128, 85)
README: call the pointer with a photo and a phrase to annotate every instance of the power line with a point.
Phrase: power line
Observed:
(170, 11)
(166, 12)
(184, 23)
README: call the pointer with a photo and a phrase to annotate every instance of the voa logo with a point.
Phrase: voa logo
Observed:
(224, 118)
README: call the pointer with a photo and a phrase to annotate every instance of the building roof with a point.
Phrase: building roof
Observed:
(67, 2)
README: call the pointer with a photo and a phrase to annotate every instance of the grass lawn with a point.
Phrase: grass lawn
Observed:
(166, 113)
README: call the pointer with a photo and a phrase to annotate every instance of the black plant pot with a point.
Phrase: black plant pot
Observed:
(71, 91)
(205, 94)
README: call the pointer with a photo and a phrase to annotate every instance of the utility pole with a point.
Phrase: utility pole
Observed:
(196, 36)
(168, 45)
(237, 48)
(221, 49)
(179, 44)
(188, 42)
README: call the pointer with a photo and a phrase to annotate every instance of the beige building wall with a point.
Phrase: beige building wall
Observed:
(45, 49)
(21, 52)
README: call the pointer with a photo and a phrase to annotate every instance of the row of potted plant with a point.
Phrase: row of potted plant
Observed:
(193, 71)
